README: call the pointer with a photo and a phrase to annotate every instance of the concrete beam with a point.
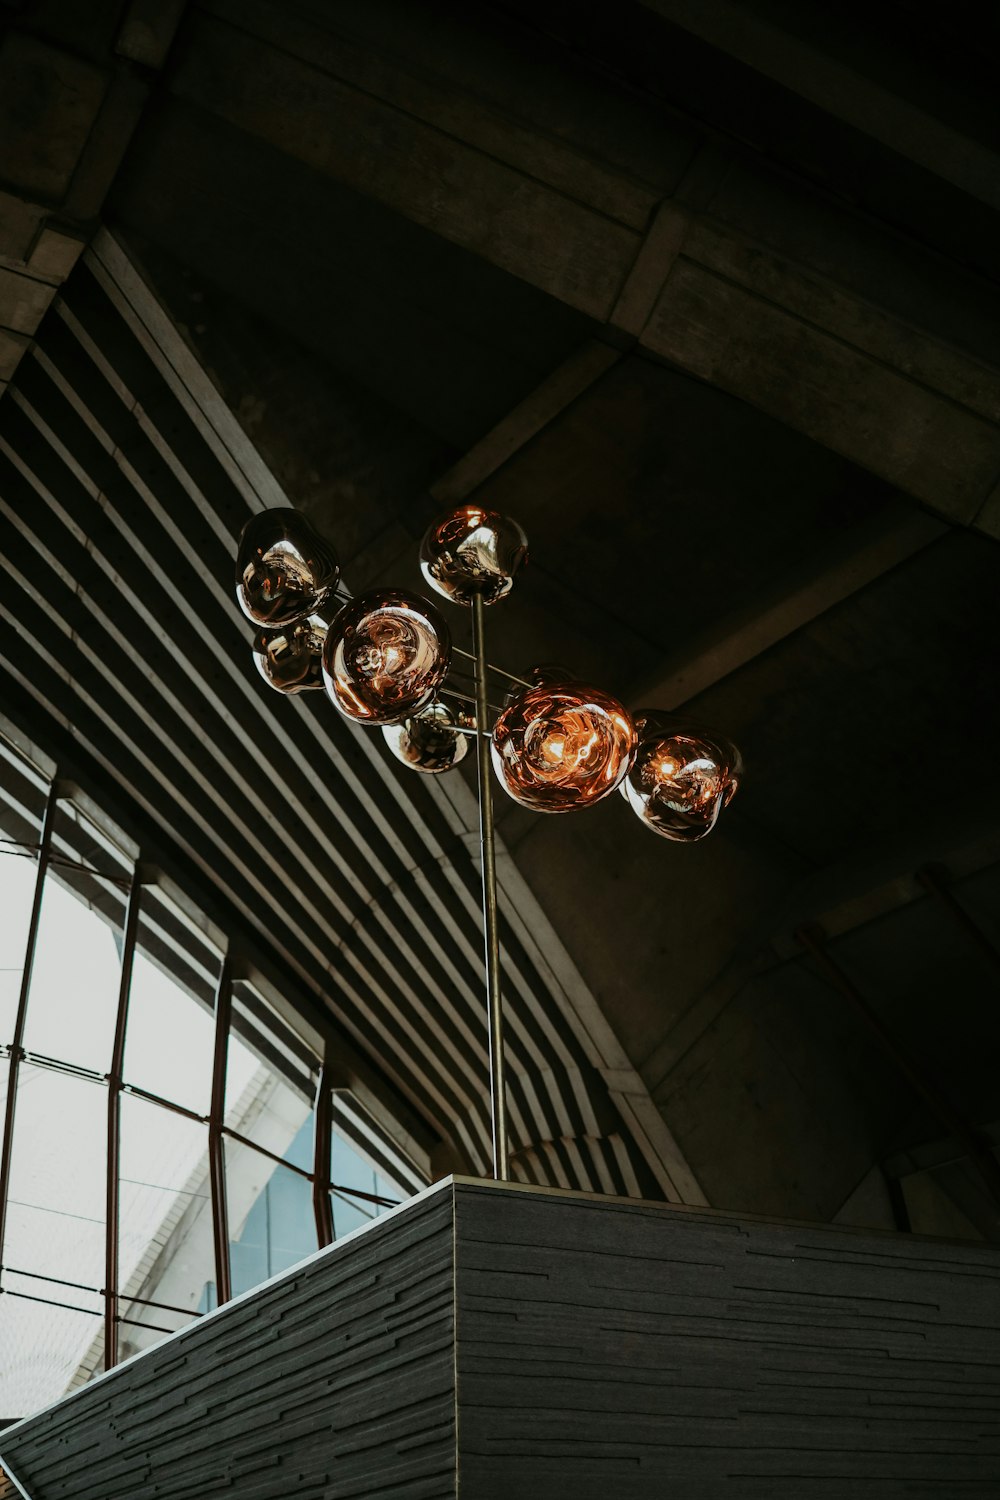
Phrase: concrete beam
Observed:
(525, 422)
(705, 296)
(881, 879)
(857, 559)
(65, 123)
(848, 93)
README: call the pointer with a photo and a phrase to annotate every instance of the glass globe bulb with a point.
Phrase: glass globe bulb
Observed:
(284, 568)
(681, 778)
(537, 676)
(473, 551)
(386, 655)
(291, 660)
(429, 741)
(560, 746)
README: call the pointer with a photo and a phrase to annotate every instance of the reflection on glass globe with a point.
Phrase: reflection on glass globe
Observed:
(291, 660)
(473, 551)
(564, 745)
(284, 568)
(429, 741)
(682, 777)
(386, 655)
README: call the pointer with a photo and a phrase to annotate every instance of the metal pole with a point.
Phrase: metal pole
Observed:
(115, 1077)
(216, 1156)
(491, 923)
(44, 850)
(934, 880)
(814, 942)
(322, 1146)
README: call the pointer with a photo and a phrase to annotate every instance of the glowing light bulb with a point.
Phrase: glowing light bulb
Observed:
(284, 568)
(681, 777)
(473, 551)
(560, 746)
(386, 655)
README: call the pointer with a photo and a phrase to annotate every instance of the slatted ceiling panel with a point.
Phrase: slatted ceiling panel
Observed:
(132, 669)
(354, 875)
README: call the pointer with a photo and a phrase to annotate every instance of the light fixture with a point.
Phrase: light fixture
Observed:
(473, 552)
(556, 745)
(386, 655)
(284, 568)
(433, 741)
(681, 778)
(291, 659)
(562, 745)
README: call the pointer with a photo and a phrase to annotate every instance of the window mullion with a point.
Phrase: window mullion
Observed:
(322, 1147)
(111, 1220)
(216, 1157)
(17, 1043)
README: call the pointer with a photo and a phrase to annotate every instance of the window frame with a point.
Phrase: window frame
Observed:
(237, 967)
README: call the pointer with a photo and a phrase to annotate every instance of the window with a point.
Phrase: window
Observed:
(145, 1078)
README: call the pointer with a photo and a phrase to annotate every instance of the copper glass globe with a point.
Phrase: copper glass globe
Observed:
(291, 660)
(386, 655)
(284, 568)
(428, 741)
(561, 746)
(536, 676)
(682, 777)
(473, 551)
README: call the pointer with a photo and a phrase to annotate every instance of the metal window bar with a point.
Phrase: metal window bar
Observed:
(50, 1302)
(113, 1161)
(65, 862)
(322, 1147)
(216, 1150)
(153, 1327)
(77, 1286)
(176, 1109)
(100, 1291)
(319, 1180)
(57, 1065)
(16, 1049)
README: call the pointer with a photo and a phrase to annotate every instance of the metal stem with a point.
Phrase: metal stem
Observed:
(491, 922)
(111, 1217)
(17, 1041)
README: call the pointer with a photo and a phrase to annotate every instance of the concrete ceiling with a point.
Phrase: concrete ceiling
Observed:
(706, 296)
